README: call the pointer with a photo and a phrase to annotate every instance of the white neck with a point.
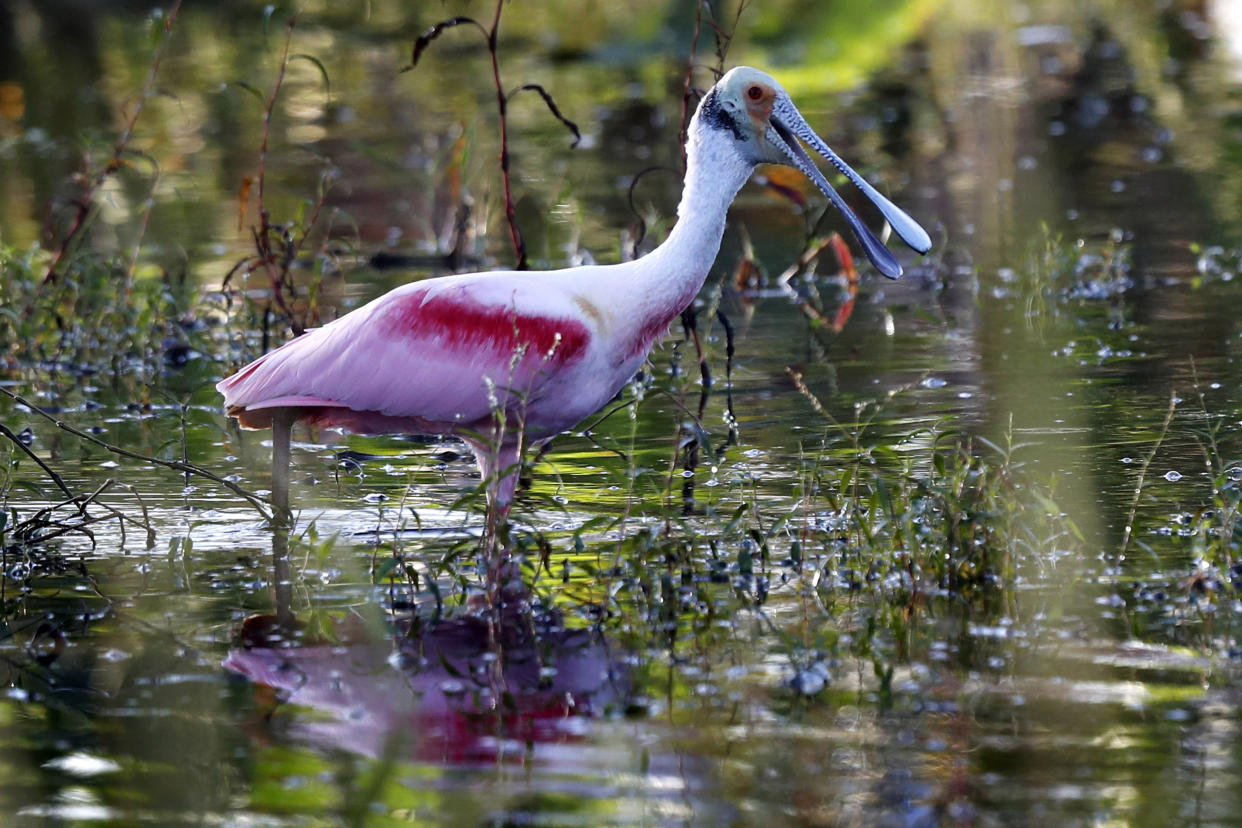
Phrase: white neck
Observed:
(715, 171)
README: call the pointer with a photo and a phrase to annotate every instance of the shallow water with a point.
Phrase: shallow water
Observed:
(750, 660)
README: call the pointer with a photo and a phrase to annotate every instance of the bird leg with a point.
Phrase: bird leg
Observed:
(500, 472)
(499, 464)
(282, 582)
(282, 428)
(499, 467)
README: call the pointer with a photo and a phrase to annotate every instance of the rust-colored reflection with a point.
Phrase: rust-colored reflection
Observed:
(812, 305)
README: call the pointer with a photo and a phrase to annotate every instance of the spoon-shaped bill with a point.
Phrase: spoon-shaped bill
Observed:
(907, 228)
(779, 136)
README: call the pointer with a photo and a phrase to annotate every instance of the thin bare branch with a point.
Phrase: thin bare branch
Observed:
(178, 465)
(267, 117)
(60, 484)
(424, 39)
(1142, 475)
(552, 107)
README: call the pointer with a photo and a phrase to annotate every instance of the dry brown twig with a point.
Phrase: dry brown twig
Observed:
(278, 246)
(42, 519)
(92, 181)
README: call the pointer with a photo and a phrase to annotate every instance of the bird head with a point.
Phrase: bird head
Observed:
(759, 114)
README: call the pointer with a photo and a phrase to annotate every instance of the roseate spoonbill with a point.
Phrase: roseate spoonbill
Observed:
(504, 358)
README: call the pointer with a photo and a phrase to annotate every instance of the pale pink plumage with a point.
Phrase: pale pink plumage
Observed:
(406, 355)
(444, 356)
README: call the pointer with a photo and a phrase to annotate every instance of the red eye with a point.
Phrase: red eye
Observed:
(754, 93)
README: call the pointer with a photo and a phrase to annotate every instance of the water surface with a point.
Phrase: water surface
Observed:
(733, 651)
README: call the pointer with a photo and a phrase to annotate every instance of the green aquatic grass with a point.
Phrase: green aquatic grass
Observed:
(93, 320)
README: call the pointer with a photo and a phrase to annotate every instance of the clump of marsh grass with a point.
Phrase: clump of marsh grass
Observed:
(1201, 525)
(1058, 271)
(94, 321)
(930, 513)
(67, 307)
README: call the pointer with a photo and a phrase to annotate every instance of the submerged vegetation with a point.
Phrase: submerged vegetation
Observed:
(830, 519)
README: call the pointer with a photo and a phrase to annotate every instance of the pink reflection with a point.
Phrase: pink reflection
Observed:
(447, 696)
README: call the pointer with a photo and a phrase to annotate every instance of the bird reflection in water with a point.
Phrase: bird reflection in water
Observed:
(464, 690)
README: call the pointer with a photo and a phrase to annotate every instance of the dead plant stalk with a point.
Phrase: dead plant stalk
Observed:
(492, 37)
(92, 182)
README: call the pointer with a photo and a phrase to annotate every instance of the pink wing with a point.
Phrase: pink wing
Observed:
(419, 357)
